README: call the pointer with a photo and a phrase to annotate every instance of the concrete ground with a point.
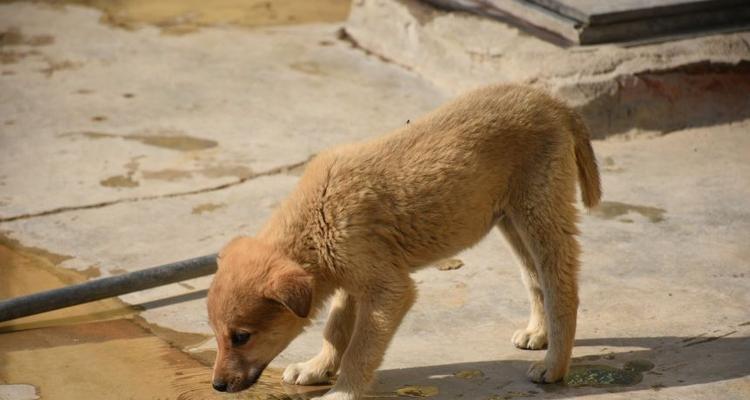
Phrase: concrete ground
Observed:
(125, 145)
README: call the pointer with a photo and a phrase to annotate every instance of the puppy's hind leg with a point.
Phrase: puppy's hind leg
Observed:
(336, 336)
(534, 337)
(547, 227)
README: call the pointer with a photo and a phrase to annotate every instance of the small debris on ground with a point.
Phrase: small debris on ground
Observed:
(469, 374)
(418, 391)
(449, 264)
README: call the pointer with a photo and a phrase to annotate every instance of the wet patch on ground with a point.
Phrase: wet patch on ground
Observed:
(167, 139)
(25, 270)
(175, 141)
(178, 17)
(602, 376)
(214, 171)
(103, 346)
(615, 209)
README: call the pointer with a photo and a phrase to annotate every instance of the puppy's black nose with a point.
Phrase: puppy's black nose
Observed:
(220, 386)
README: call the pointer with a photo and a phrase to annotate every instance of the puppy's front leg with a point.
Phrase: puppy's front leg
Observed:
(336, 337)
(379, 313)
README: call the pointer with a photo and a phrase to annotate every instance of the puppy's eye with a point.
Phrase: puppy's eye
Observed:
(239, 338)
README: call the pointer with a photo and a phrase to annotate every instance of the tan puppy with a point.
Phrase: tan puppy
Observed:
(366, 215)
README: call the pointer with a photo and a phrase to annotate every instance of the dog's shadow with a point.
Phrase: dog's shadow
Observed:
(656, 364)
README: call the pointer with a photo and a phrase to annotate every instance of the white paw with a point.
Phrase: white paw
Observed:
(337, 395)
(306, 373)
(539, 373)
(530, 339)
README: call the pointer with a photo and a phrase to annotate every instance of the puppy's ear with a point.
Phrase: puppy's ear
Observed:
(291, 286)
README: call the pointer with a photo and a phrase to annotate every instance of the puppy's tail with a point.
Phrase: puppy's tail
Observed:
(588, 172)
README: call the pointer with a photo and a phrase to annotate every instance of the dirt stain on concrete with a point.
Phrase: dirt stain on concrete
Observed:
(220, 171)
(308, 67)
(177, 17)
(614, 209)
(610, 166)
(417, 391)
(57, 66)
(14, 37)
(168, 174)
(119, 181)
(13, 56)
(469, 374)
(101, 347)
(207, 208)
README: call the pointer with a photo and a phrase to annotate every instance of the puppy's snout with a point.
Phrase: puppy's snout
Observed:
(219, 386)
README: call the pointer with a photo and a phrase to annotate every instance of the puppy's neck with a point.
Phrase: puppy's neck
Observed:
(300, 250)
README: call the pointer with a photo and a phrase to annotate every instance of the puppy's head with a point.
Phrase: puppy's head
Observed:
(258, 302)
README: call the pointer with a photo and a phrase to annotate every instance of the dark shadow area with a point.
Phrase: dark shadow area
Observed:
(700, 94)
(663, 362)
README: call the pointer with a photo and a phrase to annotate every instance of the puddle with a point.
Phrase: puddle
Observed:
(173, 140)
(186, 16)
(614, 209)
(25, 270)
(103, 347)
(603, 376)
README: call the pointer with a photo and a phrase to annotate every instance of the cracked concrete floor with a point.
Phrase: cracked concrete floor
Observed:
(123, 149)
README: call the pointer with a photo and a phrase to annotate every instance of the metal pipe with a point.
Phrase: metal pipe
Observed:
(106, 287)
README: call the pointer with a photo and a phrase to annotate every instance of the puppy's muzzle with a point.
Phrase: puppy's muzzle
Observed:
(238, 385)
